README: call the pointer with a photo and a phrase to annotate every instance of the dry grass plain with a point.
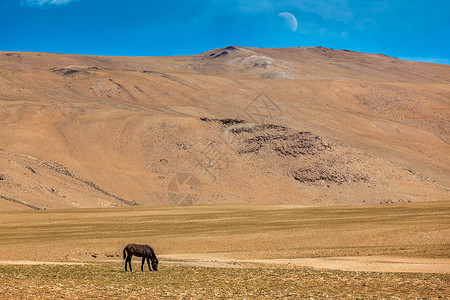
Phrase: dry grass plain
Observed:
(237, 251)
(182, 282)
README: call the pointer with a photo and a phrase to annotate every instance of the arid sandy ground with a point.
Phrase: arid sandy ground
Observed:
(308, 126)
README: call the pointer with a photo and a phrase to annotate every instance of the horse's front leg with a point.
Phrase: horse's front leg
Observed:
(148, 263)
(142, 266)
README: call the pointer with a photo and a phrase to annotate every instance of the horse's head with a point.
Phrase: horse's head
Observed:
(155, 263)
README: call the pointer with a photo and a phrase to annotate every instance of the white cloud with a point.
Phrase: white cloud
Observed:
(41, 3)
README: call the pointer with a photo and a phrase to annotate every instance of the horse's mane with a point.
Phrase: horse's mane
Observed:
(150, 253)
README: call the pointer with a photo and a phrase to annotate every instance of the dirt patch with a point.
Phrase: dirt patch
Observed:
(172, 78)
(226, 122)
(255, 62)
(71, 72)
(321, 173)
(19, 202)
(278, 139)
(278, 75)
(36, 263)
(354, 263)
(350, 263)
(306, 157)
(221, 54)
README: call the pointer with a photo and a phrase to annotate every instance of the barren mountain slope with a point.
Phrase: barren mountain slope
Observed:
(310, 126)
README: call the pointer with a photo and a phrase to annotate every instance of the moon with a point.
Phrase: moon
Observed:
(290, 20)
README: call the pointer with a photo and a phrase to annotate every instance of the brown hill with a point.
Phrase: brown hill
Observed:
(310, 126)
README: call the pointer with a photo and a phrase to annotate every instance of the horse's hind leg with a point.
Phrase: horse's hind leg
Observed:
(128, 260)
(148, 263)
(142, 266)
(130, 263)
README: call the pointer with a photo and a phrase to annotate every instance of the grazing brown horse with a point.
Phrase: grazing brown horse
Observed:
(144, 251)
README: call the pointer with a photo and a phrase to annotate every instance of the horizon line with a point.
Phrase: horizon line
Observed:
(433, 60)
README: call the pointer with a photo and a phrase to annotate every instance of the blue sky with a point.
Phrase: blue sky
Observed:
(413, 29)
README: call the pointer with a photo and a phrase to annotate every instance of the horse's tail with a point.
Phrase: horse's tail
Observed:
(124, 252)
